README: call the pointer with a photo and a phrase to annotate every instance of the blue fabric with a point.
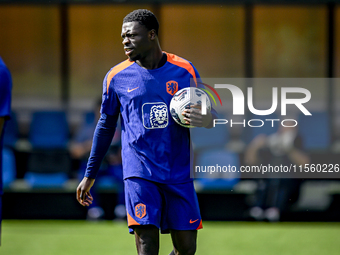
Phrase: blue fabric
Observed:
(5, 110)
(5, 106)
(102, 138)
(166, 206)
(154, 146)
(5, 91)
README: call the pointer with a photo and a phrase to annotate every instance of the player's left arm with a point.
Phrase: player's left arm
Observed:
(102, 138)
(194, 116)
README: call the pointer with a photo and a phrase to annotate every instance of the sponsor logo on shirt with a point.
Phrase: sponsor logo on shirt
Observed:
(129, 90)
(155, 115)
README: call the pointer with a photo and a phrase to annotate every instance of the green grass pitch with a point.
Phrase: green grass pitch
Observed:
(47, 237)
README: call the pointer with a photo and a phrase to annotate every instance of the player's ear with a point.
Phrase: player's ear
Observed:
(152, 34)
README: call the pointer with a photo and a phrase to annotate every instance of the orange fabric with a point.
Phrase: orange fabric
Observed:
(168, 87)
(173, 59)
(131, 221)
(116, 70)
(200, 226)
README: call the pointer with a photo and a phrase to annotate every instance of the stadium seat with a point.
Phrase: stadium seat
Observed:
(315, 130)
(8, 167)
(49, 161)
(46, 180)
(217, 157)
(49, 129)
(89, 117)
(11, 131)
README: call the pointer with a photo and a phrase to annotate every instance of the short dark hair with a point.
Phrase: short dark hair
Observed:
(143, 17)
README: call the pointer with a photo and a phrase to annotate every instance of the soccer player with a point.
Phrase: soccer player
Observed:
(5, 110)
(159, 193)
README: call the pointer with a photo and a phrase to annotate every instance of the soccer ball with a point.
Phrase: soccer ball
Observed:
(185, 98)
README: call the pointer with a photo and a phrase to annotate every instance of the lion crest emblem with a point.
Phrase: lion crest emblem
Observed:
(155, 115)
(159, 116)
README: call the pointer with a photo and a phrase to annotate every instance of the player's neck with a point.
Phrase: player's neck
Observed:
(153, 60)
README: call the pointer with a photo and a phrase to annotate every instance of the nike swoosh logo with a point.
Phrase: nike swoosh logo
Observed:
(129, 90)
(193, 221)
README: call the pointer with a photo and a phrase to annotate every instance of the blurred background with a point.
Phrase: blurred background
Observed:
(58, 53)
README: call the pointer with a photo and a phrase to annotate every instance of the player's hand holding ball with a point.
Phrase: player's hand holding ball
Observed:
(194, 117)
(186, 108)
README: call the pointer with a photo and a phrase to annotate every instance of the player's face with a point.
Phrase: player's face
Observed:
(136, 40)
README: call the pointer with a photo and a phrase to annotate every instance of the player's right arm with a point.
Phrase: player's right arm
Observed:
(101, 142)
(102, 138)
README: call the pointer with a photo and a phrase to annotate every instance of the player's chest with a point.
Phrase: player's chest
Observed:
(148, 87)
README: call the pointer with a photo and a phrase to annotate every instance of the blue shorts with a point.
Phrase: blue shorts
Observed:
(167, 206)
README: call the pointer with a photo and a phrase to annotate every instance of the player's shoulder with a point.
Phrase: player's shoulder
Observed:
(182, 63)
(118, 68)
(177, 60)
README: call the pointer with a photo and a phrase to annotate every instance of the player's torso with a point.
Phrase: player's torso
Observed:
(149, 134)
(145, 95)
